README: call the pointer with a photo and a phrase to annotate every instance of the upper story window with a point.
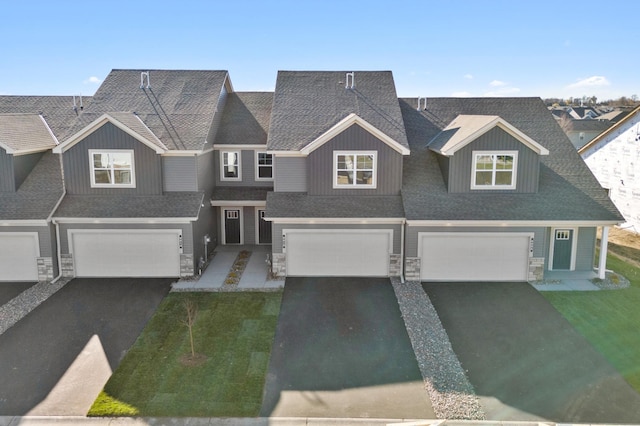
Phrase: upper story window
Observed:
(494, 170)
(230, 165)
(264, 166)
(112, 168)
(355, 169)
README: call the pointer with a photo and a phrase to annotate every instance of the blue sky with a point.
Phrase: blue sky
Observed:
(434, 47)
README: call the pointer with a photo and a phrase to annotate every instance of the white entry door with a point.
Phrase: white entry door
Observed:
(126, 253)
(338, 252)
(479, 256)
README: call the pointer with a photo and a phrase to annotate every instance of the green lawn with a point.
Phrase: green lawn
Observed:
(610, 320)
(233, 330)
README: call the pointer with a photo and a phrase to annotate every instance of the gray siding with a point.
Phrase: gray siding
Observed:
(461, 163)
(187, 236)
(148, 164)
(248, 170)
(249, 225)
(179, 173)
(278, 227)
(23, 164)
(585, 250)
(443, 162)
(540, 246)
(355, 138)
(206, 169)
(290, 174)
(7, 177)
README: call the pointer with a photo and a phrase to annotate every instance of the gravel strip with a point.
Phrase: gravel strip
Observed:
(18, 307)
(451, 394)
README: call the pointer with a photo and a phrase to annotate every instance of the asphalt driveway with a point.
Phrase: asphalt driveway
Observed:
(525, 361)
(341, 350)
(61, 351)
(10, 290)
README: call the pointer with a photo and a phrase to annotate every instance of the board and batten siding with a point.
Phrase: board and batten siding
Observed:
(23, 164)
(247, 170)
(496, 139)
(148, 164)
(179, 174)
(7, 176)
(187, 236)
(355, 138)
(539, 238)
(205, 175)
(290, 174)
(277, 228)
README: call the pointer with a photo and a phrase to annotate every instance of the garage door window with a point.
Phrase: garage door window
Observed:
(112, 168)
(354, 169)
(494, 170)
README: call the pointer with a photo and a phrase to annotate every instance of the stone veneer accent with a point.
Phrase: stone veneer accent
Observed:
(279, 264)
(66, 266)
(395, 263)
(186, 265)
(536, 268)
(412, 269)
(45, 269)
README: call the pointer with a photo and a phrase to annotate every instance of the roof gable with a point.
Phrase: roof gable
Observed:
(464, 129)
(345, 123)
(25, 133)
(127, 122)
(602, 136)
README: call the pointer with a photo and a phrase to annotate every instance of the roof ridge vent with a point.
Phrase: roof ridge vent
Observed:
(142, 76)
(420, 99)
(353, 80)
(75, 104)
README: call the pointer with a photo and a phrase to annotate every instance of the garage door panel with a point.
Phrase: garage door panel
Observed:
(338, 253)
(19, 254)
(126, 254)
(474, 257)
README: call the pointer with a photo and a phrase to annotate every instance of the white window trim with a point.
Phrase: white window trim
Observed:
(374, 179)
(574, 247)
(222, 176)
(112, 185)
(514, 174)
(257, 166)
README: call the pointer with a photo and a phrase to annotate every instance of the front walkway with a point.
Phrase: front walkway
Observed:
(253, 276)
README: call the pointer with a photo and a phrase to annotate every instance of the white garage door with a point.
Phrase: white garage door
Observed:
(125, 253)
(338, 252)
(474, 256)
(18, 256)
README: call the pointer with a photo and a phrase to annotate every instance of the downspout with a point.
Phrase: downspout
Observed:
(404, 221)
(58, 252)
(50, 218)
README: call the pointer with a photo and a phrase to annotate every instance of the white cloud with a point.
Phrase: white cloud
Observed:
(593, 81)
(461, 95)
(92, 80)
(497, 83)
(504, 91)
(468, 77)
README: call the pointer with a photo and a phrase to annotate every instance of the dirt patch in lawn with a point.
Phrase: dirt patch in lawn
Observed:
(624, 244)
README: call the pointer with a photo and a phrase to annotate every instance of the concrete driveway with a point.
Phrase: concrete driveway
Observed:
(525, 360)
(10, 290)
(341, 350)
(56, 359)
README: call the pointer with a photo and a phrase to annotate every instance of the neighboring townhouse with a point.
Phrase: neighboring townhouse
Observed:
(31, 182)
(138, 175)
(493, 190)
(581, 132)
(614, 157)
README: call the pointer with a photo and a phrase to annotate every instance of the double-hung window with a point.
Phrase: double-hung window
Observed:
(112, 168)
(264, 166)
(494, 169)
(356, 169)
(230, 165)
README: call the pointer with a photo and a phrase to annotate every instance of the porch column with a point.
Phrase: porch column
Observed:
(604, 241)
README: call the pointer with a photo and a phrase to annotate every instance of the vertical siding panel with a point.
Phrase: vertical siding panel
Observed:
(585, 249)
(249, 225)
(148, 164)
(23, 164)
(179, 173)
(7, 178)
(290, 174)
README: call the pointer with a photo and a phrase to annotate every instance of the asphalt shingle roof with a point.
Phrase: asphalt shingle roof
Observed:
(25, 132)
(299, 204)
(36, 198)
(567, 188)
(308, 103)
(240, 193)
(245, 120)
(178, 107)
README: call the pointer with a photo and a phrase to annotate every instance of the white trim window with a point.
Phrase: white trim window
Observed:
(354, 169)
(494, 169)
(264, 166)
(112, 168)
(230, 165)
